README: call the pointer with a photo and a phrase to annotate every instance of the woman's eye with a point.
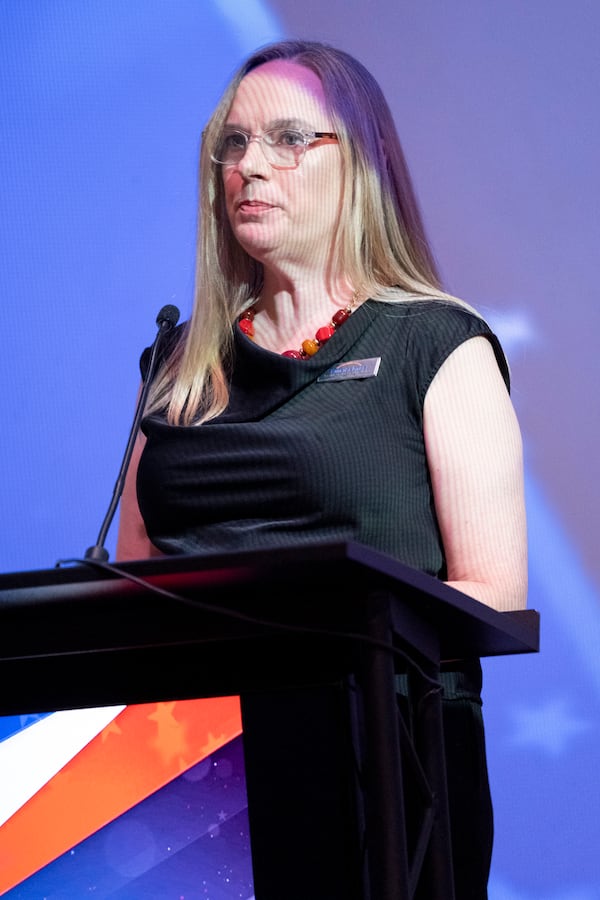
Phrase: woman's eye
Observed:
(234, 141)
(289, 138)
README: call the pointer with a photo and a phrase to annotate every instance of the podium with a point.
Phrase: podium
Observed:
(313, 639)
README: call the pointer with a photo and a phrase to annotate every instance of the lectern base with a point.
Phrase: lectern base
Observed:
(303, 794)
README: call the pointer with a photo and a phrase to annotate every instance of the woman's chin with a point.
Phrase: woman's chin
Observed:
(259, 242)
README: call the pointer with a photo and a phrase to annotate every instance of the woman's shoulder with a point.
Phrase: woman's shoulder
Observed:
(429, 314)
(430, 329)
(428, 322)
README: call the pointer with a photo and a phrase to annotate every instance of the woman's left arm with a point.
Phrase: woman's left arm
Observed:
(474, 451)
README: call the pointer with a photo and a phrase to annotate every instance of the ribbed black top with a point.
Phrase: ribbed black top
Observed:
(294, 460)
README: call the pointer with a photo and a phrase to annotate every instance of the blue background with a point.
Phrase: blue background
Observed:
(101, 107)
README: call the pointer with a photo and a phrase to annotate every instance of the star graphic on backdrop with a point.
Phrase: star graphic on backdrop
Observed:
(213, 742)
(111, 728)
(29, 718)
(169, 741)
(549, 726)
(513, 327)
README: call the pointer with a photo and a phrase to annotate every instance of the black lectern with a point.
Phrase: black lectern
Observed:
(312, 638)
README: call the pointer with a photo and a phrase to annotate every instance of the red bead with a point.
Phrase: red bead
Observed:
(247, 326)
(310, 346)
(340, 317)
(324, 333)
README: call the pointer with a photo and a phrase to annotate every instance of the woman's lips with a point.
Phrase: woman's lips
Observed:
(254, 206)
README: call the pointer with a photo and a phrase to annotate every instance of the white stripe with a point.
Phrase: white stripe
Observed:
(34, 755)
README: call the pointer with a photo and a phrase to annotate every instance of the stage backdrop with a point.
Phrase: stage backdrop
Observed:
(101, 107)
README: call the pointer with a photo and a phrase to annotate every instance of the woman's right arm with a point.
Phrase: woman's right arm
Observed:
(132, 540)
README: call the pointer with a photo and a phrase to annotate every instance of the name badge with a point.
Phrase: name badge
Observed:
(357, 368)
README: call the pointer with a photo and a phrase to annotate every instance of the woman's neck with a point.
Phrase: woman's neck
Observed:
(285, 315)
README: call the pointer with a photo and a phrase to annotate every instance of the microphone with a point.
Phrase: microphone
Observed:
(166, 320)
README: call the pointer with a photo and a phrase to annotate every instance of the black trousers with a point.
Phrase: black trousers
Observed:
(469, 798)
(301, 777)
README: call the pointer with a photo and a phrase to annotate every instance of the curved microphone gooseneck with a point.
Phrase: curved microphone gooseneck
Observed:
(166, 320)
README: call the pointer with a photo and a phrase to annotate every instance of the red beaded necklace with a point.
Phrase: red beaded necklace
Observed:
(310, 345)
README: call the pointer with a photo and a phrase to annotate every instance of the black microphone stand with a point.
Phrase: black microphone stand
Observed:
(166, 320)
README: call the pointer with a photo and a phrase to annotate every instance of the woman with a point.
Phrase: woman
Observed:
(391, 426)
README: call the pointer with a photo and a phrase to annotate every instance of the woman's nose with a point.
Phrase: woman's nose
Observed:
(253, 162)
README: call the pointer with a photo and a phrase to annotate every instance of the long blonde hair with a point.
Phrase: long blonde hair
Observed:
(380, 245)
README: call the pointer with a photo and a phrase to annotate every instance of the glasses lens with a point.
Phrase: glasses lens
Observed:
(231, 147)
(284, 147)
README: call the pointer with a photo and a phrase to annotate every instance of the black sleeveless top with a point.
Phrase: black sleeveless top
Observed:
(312, 451)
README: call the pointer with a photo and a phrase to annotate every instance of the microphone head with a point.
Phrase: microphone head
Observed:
(168, 317)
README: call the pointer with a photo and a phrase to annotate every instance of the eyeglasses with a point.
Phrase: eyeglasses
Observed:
(283, 148)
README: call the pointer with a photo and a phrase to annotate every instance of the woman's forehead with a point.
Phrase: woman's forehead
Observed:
(280, 90)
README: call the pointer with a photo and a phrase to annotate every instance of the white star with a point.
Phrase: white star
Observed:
(514, 328)
(549, 726)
